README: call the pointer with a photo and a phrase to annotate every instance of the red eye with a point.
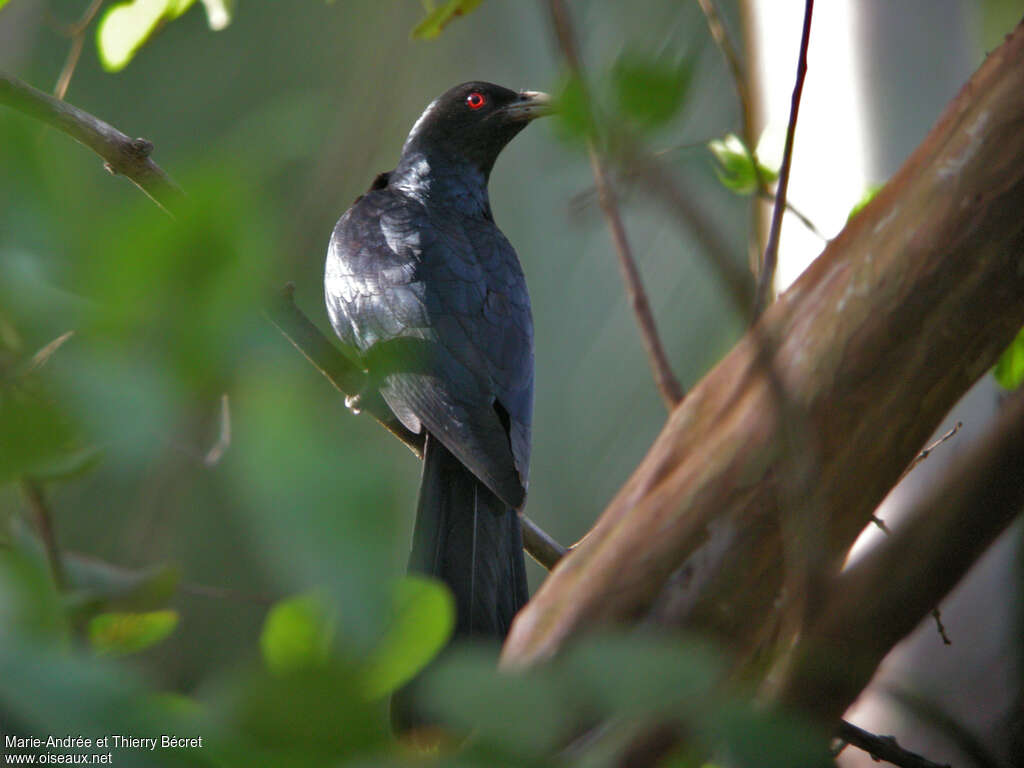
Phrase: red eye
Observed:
(475, 100)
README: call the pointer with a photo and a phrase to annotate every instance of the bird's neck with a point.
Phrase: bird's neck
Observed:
(445, 180)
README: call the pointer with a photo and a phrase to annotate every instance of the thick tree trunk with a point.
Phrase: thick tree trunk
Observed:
(871, 347)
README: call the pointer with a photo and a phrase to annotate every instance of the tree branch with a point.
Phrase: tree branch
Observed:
(771, 250)
(43, 521)
(666, 381)
(881, 599)
(123, 155)
(939, 255)
(882, 747)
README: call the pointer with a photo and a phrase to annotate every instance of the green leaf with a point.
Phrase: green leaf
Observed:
(3, 3)
(126, 27)
(430, 26)
(1009, 371)
(67, 465)
(735, 167)
(648, 90)
(123, 633)
(297, 634)
(33, 433)
(423, 619)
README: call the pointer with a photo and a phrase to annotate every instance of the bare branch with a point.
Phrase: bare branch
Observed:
(666, 381)
(122, 155)
(882, 747)
(771, 251)
(76, 32)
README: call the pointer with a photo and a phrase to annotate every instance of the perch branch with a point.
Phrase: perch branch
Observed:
(43, 521)
(882, 747)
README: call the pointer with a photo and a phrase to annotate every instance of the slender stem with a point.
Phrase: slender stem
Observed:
(76, 32)
(771, 251)
(123, 155)
(43, 520)
(666, 381)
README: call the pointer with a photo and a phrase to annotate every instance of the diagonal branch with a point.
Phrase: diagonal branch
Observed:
(771, 250)
(666, 381)
(123, 155)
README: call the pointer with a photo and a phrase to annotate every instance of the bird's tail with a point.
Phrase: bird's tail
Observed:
(467, 537)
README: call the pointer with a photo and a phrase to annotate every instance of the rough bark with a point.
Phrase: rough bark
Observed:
(904, 310)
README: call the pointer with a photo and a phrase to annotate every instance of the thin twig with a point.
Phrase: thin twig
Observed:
(123, 155)
(882, 747)
(43, 521)
(666, 381)
(940, 627)
(926, 452)
(225, 593)
(771, 251)
(217, 450)
(76, 32)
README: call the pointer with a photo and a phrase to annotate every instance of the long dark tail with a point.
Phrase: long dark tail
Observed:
(467, 537)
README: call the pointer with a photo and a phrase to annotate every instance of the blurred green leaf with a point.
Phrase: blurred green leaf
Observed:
(3, 3)
(29, 604)
(866, 198)
(750, 737)
(126, 27)
(33, 433)
(67, 464)
(124, 633)
(437, 19)
(574, 119)
(297, 634)
(422, 621)
(735, 167)
(1009, 371)
(649, 90)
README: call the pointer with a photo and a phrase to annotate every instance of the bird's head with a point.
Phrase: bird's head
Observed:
(473, 122)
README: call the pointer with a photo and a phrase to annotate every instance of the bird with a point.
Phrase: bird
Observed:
(426, 289)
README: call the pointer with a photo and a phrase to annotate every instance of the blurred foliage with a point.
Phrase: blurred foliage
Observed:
(866, 198)
(439, 16)
(735, 165)
(122, 330)
(1009, 371)
(125, 27)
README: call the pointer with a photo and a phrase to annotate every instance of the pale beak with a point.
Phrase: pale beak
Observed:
(530, 105)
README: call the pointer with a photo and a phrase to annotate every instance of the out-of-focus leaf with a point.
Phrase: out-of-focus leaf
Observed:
(29, 604)
(430, 26)
(648, 90)
(866, 198)
(735, 167)
(297, 634)
(3, 3)
(123, 633)
(126, 27)
(1009, 371)
(574, 119)
(32, 433)
(422, 622)
(748, 737)
(298, 718)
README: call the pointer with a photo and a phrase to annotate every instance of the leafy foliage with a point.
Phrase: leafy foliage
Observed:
(734, 165)
(440, 16)
(650, 91)
(123, 633)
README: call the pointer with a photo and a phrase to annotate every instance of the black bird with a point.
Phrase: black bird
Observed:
(422, 283)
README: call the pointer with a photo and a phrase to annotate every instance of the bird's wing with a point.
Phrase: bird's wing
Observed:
(438, 307)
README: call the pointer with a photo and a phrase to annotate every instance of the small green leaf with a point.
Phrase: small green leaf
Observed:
(123, 633)
(3, 3)
(1009, 371)
(32, 433)
(126, 27)
(735, 167)
(648, 90)
(866, 198)
(430, 26)
(423, 618)
(297, 634)
(69, 465)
